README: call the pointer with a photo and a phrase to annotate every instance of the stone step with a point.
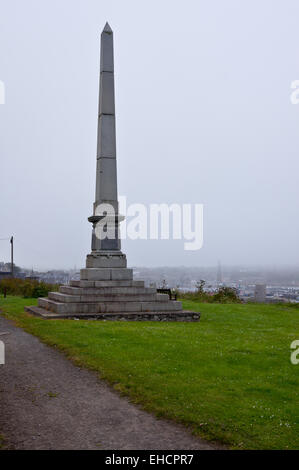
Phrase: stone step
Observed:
(105, 307)
(67, 298)
(50, 305)
(106, 274)
(135, 316)
(162, 297)
(173, 305)
(106, 283)
(64, 298)
(106, 290)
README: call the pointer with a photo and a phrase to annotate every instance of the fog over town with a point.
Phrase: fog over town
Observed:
(211, 124)
(281, 284)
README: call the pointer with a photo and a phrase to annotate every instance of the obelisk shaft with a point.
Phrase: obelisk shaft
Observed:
(106, 203)
(106, 182)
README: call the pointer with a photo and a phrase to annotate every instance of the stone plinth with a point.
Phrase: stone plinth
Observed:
(110, 294)
(108, 259)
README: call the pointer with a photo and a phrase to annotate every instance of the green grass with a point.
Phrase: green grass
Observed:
(228, 377)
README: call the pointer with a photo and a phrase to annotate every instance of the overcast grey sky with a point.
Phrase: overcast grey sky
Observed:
(203, 115)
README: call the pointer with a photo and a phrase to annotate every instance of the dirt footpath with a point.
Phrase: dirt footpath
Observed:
(46, 402)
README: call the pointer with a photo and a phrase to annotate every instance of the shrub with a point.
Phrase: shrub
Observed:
(26, 287)
(222, 295)
(226, 295)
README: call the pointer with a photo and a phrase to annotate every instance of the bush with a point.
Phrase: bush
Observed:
(26, 287)
(223, 295)
(226, 295)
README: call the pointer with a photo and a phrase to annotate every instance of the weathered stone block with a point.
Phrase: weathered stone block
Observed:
(162, 297)
(138, 283)
(82, 283)
(61, 297)
(161, 306)
(106, 137)
(111, 290)
(51, 305)
(121, 274)
(123, 307)
(106, 261)
(106, 105)
(106, 174)
(117, 298)
(95, 274)
(71, 290)
(121, 291)
(114, 283)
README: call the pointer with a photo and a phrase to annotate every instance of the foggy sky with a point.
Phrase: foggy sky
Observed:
(203, 115)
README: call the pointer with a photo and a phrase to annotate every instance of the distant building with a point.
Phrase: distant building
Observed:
(260, 293)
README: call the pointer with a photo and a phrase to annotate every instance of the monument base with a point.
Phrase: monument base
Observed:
(106, 259)
(110, 294)
(184, 316)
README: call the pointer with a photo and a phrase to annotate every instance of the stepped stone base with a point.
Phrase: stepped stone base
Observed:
(144, 316)
(110, 294)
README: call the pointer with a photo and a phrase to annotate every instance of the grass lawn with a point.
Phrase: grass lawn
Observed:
(228, 377)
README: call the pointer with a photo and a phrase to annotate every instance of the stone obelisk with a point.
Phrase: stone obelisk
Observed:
(105, 243)
(106, 289)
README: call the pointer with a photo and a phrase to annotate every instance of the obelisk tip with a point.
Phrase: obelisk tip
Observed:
(107, 28)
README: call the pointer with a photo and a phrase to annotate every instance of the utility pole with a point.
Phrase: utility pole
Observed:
(219, 274)
(11, 263)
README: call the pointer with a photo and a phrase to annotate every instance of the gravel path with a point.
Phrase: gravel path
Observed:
(46, 402)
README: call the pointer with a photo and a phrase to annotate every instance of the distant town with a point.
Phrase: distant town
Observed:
(252, 284)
